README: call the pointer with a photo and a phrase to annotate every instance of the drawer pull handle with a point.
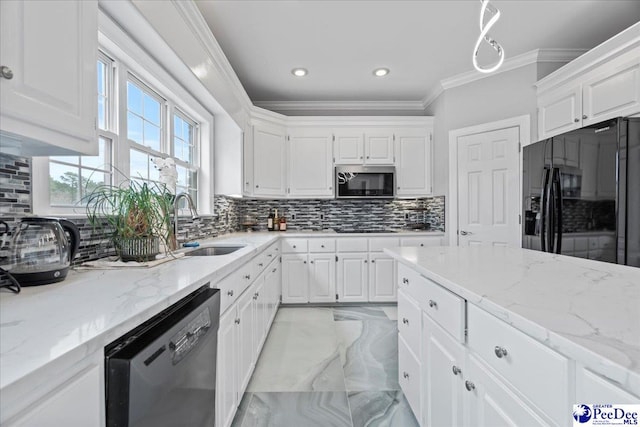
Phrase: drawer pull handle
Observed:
(456, 370)
(405, 280)
(260, 264)
(294, 246)
(269, 255)
(405, 320)
(433, 304)
(248, 276)
(237, 321)
(322, 246)
(469, 385)
(406, 375)
(500, 352)
(256, 295)
(274, 270)
(230, 292)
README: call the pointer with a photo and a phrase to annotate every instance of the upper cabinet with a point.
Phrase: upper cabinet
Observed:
(310, 163)
(413, 162)
(602, 84)
(295, 157)
(48, 53)
(269, 161)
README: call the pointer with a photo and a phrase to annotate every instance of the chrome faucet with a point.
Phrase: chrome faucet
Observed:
(192, 209)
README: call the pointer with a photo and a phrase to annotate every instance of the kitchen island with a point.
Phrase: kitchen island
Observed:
(549, 330)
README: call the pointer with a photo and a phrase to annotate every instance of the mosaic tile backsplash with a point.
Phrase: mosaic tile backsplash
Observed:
(231, 213)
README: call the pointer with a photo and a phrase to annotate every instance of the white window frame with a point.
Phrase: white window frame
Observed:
(123, 50)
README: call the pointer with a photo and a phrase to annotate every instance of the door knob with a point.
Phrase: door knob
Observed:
(465, 233)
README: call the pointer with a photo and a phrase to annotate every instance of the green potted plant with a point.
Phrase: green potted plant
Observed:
(138, 215)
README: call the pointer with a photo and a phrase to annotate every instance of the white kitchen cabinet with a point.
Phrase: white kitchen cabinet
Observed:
(378, 147)
(353, 277)
(421, 241)
(269, 161)
(409, 373)
(382, 287)
(322, 277)
(51, 48)
(259, 315)
(414, 169)
(488, 402)
(246, 352)
(613, 91)
(349, 147)
(310, 163)
(76, 404)
(227, 369)
(295, 278)
(609, 88)
(593, 388)
(272, 284)
(443, 376)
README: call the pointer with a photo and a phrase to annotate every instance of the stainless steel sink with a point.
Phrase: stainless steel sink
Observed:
(213, 251)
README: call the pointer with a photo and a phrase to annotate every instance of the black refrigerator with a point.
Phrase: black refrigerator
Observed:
(581, 193)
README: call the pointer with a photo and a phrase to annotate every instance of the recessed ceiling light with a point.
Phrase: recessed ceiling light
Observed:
(380, 72)
(299, 72)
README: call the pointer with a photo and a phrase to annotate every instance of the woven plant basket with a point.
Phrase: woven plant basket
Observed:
(140, 249)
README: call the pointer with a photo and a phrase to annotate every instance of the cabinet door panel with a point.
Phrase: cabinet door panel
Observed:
(490, 403)
(413, 164)
(593, 388)
(322, 278)
(382, 286)
(269, 161)
(349, 148)
(615, 92)
(259, 315)
(352, 277)
(51, 47)
(444, 371)
(295, 279)
(245, 340)
(409, 377)
(378, 148)
(310, 164)
(226, 386)
(559, 112)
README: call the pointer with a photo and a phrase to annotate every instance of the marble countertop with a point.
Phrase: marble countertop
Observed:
(587, 310)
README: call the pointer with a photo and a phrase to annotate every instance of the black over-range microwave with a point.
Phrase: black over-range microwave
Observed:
(357, 182)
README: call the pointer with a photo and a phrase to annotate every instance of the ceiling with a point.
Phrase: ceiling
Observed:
(420, 41)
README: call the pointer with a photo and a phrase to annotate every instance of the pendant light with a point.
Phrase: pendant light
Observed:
(484, 35)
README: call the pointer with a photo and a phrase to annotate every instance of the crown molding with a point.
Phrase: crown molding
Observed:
(338, 106)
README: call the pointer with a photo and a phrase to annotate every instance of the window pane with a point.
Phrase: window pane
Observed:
(183, 178)
(102, 112)
(151, 110)
(99, 161)
(102, 82)
(92, 179)
(138, 165)
(152, 136)
(134, 128)
(64, 188)
(134, 98)
(177, 127)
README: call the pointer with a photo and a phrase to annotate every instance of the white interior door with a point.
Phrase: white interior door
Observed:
(488, 188)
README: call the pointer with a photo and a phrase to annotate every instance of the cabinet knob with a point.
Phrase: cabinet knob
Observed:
(373, 261)
(322, 246)
(269, 255)
(294, 246)
(500, 352)
(237, 321)
(304, 262)
(434, 304)
(274, 270)
(421, 244)
(405, 280)
(469, 385)
(360, 157)
(365, 261)
(257, 186)
(576, 120)
(405, 375)
(248, 276)
(456, 370)
(311, 262)
(230, 293)
(367, 157)
(398, 187)
(256, 295)
(260, 264)
(6, 72)
(584, 117)
(330, 188)
(405, 320)
(246, 183)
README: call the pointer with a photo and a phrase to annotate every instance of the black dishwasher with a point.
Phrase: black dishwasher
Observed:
(163, 373)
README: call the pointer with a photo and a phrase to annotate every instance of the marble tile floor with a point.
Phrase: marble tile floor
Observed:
(333, 366)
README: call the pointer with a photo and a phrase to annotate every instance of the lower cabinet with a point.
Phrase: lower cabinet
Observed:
(592, 388)
(489, 402)
(444, 373)
(353, 283)
(382, 284)
(308, 278)
(295, 279)
(241, 335)
(322, 278)
(409, 376)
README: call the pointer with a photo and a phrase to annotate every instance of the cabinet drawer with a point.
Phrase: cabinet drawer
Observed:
(352, 245)
(409, 376)
(409, 318)
(259, 263)
(533, 368)
(294, 246)
(322, 245)
(377, 244)
(443, 306)
(232, 286)
(421, 241)
(272, 252)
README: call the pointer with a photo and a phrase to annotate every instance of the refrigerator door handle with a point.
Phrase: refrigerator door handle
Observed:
(558, 201)
(544, 202)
